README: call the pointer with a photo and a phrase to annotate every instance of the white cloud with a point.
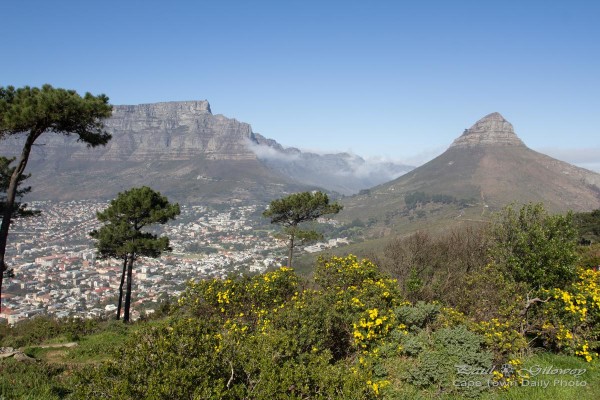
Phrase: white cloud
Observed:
(588, 157)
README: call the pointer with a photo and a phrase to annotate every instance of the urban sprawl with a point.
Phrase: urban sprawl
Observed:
(57, 271)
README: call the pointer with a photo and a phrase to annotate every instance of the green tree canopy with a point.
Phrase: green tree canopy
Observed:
(6, 171)
(588, 225)
(122, 236)
(31, 111)
(535, 248)
(292, 210)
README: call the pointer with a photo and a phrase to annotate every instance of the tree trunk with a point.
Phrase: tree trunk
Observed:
(121, 288)
(11, 193)
(291, 251)
(128, 292)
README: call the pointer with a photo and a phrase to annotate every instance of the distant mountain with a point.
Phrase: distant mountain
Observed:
(178, 148)
(186, 152)
(485, 168)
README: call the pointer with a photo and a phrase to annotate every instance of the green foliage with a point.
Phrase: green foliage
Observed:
(245, 337)
(419, 315)
(447, 348)
(139, 207)
(295, 209)
(33, 111)
(568, 319)
(122, 236)
(6, 171)
(173, 360)
(32, 381)
(40, 329)
(300, 207)
(414, 284)
(488, 293)
(37, 110)
(353, 337)
(534, 247)
(412, 200)
(588, 226)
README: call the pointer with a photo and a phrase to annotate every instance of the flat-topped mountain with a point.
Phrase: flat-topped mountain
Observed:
(485, 168)
(185, 151)
(178, 148)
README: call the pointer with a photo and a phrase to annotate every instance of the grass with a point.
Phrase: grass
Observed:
(559, 386)
(32, 380)
(584, 387)
(97, 347)
(49, 376)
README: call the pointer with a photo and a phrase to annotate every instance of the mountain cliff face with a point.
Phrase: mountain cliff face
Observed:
(161, 131)
(183, 150)
(179, 148)
(491, 130)
(487, 167)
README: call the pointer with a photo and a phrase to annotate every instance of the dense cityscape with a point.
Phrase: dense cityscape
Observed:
(57, 271)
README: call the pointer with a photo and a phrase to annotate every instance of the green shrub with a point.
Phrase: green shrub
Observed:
(419, 315)
(449, 350)
(534, 247)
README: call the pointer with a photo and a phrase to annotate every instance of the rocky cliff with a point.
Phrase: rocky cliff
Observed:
(182, 149)
(161, 131)
(179, 148)
(491, 130)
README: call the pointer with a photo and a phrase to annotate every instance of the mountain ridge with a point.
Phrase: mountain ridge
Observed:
(487, 167)
(181, 149)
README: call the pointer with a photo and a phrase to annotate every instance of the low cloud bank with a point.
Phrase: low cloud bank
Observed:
(588, 158)
(345, 172)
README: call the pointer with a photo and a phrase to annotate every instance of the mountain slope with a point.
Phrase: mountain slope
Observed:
(487, 167)
(186, 152)
(178, 148)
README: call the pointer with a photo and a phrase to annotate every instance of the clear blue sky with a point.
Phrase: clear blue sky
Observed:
(398, 79)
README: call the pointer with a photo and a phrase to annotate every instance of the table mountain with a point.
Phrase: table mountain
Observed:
(178, 148)
(186, 152)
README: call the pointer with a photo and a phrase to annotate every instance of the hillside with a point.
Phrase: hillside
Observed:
(485, 168)
(185, 151)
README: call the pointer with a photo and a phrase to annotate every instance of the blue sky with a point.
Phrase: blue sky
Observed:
(396, 79)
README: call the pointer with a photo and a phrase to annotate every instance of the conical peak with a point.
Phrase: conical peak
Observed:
(491, 130)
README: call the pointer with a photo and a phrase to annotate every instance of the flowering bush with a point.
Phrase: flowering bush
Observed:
(570, 318)
(502, 337)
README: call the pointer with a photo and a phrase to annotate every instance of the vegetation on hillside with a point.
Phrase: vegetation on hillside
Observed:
(453, 316)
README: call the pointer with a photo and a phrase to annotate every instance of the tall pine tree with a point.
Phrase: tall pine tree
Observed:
(122, 236)
(30, 112)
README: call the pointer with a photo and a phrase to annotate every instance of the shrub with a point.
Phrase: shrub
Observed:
(534, 247)
(569, 320)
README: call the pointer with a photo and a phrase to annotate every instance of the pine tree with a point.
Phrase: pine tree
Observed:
(122, 236)
(30, 112)
(295, 209)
